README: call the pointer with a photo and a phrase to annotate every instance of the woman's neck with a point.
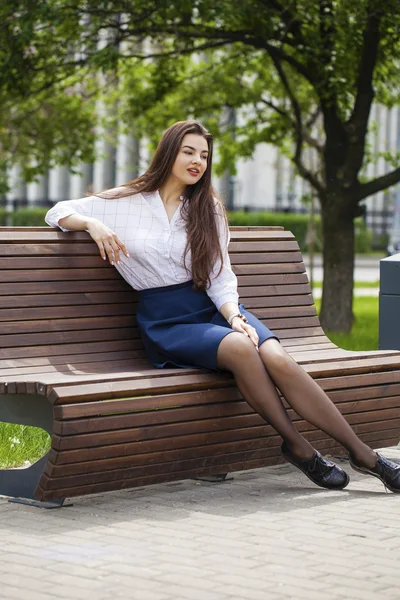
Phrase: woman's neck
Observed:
(171, 191)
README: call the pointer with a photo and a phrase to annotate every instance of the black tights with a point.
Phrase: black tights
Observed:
(256, 376)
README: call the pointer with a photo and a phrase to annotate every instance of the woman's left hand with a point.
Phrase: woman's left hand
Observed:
(239, 325)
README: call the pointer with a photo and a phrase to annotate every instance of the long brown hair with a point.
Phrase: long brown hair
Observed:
(201, 203)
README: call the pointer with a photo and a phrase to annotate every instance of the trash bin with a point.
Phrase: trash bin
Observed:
(389, 303)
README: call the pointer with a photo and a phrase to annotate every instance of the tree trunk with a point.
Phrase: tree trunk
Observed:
(337, 293)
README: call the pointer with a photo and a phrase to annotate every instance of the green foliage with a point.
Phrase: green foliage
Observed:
(3, 217)
(298, 225)
(365, 331)
(29, 217)
(20, 444)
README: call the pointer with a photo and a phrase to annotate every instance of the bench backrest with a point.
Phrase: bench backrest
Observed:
(59, 299)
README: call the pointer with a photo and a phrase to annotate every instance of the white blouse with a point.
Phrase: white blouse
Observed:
(155, 245)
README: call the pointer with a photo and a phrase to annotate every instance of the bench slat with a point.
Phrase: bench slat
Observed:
(59, 275)
(53, 351)
(60, 287)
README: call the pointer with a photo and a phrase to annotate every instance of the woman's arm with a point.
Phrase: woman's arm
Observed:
(75, 222)
(73, 215)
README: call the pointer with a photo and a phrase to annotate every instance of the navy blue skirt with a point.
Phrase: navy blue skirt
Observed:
(181, 327)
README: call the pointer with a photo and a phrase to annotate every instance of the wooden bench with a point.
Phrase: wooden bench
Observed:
(72, 362)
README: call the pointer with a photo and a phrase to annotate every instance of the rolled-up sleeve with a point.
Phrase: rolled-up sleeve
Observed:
(223, 287)
(82, 206)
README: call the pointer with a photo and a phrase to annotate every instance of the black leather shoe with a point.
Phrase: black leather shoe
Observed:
(321, 471)
(386, 470)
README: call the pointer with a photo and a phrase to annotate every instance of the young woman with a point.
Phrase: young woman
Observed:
(166, 232)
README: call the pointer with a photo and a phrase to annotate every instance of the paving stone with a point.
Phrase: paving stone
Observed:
(269, 534)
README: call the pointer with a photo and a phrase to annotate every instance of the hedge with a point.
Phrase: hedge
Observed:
(296, 223)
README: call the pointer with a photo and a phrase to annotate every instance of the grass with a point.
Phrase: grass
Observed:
(21, 445)
(364, 333)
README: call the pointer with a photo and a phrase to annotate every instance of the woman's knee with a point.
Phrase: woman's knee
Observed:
(275, 357)
(234, 350)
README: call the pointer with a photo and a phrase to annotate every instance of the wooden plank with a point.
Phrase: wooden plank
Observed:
(302, 341)
(52, 249)
(67, 325)
(42, 363)
(166, 381)
(256, 227)
(258, 233)
(109, 364)
(149, 402)
(81, 299)
(280, 312)
(252, 291)
(272, 301)
(341, 382)
(268, 269)
(291, 257)
(272, 280)
(263, 246)
(55, 314)
(335, 354)
(366, 365)
(54, 262)
(286, 334)
(59, 275)
(320, 346)
(65, 337)
(62, 287)
(279, 325)
(50, 352)
(28, 235)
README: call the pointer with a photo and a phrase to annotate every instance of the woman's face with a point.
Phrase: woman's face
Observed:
(191, 162)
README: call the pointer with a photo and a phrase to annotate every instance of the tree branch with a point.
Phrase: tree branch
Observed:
(226, 36)
(377, 185)
(357, 125)
(298, 125)
(276, 108)
(314, 143)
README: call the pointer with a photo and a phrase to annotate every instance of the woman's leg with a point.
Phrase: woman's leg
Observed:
(236, 353)
(310, 402)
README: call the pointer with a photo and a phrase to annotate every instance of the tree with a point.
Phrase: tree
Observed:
(287, 67)
(47, 117)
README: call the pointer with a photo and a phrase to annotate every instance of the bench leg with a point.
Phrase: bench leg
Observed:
(214, 478)
(20, 484)
(33, 410)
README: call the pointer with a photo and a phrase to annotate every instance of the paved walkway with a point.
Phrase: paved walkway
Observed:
(267, 535)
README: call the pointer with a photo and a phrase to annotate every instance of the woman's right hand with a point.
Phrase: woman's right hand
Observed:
(108, 242)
